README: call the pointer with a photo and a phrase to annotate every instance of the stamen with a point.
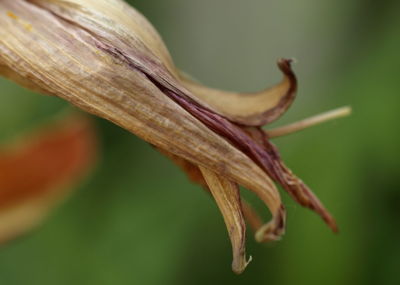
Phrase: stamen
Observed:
(309, 122)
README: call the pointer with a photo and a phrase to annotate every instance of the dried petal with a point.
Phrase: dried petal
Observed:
(250, 109)
(38, 173)
(227, 196)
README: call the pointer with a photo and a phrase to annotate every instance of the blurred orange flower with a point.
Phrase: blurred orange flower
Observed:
(39, 170)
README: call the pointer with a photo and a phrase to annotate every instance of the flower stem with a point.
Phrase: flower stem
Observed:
(309, 122)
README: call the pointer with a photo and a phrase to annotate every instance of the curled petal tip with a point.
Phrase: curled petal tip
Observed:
(285, 65)
(331, 222)
(282, 62)
(273, 230)
(239, 267)
(287, 61)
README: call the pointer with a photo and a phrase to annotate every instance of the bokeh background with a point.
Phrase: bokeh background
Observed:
(137, 219)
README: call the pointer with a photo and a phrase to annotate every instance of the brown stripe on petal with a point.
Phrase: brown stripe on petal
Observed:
(249, 109)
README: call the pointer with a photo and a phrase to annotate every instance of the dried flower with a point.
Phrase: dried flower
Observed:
(106, 58)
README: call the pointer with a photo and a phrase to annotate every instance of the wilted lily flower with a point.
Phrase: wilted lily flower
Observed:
(106, 58)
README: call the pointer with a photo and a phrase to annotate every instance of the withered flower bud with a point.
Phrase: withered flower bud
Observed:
(106, 58)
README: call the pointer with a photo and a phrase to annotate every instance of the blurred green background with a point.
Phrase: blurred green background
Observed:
(138, 220)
